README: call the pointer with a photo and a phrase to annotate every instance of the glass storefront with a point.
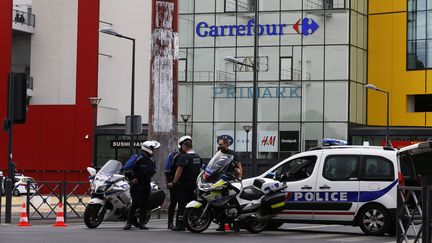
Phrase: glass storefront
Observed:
(116, 147)
(312, 68)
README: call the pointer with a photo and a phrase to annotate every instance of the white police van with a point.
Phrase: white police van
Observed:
(348, 185)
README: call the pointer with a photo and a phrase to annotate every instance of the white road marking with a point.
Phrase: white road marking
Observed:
(353, 239)
(308, 227)
(314, 236)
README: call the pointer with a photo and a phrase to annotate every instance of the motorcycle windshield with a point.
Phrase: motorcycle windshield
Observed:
(110, 168)
(217, 165)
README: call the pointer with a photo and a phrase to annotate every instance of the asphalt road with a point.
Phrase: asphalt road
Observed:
(113, 232)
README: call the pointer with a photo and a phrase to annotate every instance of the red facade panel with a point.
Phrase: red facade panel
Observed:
(5, 64)
(56, 141)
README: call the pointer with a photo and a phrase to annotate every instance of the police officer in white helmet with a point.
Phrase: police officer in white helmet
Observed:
(142, 172)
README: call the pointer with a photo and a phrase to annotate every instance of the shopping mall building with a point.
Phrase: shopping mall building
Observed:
(315, 56)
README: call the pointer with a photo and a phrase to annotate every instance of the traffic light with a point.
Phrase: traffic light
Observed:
(19, 96)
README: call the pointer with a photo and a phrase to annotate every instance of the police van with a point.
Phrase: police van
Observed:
(347, 185)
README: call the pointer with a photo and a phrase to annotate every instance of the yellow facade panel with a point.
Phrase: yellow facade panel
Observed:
(429, 119)
(387, 69)
(429, 82)
(386, 6)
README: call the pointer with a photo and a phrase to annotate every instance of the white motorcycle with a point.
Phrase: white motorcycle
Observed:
(222, 198)
(111, 198)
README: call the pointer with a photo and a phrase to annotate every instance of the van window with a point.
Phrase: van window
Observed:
(300, 168)
(377, 169)
(341, 167)
(31, 180)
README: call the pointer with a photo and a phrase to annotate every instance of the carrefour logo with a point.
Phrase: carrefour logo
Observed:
(304, 26)
(308, 26)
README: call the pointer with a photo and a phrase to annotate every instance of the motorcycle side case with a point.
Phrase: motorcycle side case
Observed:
(156, 199)
(274, 203)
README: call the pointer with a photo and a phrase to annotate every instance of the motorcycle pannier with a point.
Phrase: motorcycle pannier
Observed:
(273, 203)
(156, 199)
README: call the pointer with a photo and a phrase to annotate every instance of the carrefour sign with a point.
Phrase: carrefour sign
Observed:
(305, 26)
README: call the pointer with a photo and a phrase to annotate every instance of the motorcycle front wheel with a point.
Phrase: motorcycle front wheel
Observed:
(94, 215)
(256, 226)
(194, 222)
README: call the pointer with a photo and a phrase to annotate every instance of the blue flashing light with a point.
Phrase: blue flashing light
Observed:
(332, 141)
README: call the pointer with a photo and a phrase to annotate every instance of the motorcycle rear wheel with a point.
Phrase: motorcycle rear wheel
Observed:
(194, 223)
(256, 226)
(94, 215)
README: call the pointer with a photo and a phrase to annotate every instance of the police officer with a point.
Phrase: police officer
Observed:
(235, 168)
(170, 169)
(187, 171)
(142, 172)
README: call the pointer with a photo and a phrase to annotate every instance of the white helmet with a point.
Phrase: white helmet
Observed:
(150, 146)
(182, 139)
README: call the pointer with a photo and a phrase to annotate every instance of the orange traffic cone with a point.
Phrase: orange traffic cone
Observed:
(227, 227)
(23, 217)
(60, 218)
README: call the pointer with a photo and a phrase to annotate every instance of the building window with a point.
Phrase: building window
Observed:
(286, 68)
(420, 103)
(239, 5)
(419, 37)
(182, 70)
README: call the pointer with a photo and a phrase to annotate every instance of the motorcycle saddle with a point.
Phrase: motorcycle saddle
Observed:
(251, 193)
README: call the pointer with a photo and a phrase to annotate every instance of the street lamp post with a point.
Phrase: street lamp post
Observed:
(373, 87)
(133, 118)
(185, 119)
(94, 102)
(254, 67)
(247, 129)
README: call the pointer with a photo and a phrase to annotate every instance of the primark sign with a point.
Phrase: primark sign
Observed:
(304, 26)
(263, 92)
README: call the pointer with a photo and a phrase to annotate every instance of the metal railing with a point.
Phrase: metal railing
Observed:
(43, 199)
(413, 214)
(23, 18)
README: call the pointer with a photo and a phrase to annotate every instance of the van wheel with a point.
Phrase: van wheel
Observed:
(374, 220)
(16, 193)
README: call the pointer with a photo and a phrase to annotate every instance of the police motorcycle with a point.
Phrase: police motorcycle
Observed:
(222, 198)
(111, 198)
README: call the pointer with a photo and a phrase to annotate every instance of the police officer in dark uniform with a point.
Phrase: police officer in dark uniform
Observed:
(170, 169)
(188, 169)
(235, 168)
(141, 175)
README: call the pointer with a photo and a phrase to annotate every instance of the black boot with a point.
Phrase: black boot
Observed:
(179, 225)
(221, 227)
(130, 218)
(170, 225)
(170, 218)
(142, 217)
(128, 226)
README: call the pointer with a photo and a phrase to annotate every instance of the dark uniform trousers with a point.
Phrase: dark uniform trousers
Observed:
(185, 194)
(140, 194)
(172, 205)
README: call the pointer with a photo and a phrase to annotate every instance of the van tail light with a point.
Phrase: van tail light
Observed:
(401, 179)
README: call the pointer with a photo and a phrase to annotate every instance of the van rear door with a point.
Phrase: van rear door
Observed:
(414, 162)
